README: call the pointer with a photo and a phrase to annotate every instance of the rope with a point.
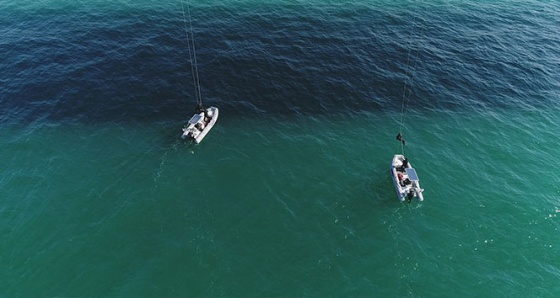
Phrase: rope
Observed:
(409, 79)
(192, 54)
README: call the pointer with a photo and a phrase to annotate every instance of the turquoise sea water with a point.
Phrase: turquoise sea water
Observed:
(290, 193)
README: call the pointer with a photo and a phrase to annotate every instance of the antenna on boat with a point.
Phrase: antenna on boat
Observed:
(192, 54)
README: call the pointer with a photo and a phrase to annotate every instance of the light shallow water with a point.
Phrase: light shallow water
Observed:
(290, 194)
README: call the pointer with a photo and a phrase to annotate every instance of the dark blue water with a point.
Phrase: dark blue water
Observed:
(307, 58)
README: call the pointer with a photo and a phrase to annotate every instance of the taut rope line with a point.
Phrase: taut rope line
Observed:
(192, 54)
(409, 78)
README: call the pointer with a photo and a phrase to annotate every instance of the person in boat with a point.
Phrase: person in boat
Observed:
(201, 109)
(403, 166)
(200, 126)
(206, 117)
(403, 182)
(409, 196)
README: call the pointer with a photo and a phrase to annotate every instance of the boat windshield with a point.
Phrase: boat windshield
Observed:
(195, 119)
(411, 174)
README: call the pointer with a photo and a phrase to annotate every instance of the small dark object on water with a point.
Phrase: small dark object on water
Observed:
(400, 138)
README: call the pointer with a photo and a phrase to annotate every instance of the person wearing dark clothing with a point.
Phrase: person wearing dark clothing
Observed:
(409, 196)
(403, 166)
(199, 109)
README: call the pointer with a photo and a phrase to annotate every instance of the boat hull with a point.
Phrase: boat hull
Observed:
(407, 185)
(197, 129)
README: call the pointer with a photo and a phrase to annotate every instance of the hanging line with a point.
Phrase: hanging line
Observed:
(409, 78)
(192, 54)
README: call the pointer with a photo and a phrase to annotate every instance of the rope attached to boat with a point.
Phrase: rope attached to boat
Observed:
(409, 78)
(192, 53)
